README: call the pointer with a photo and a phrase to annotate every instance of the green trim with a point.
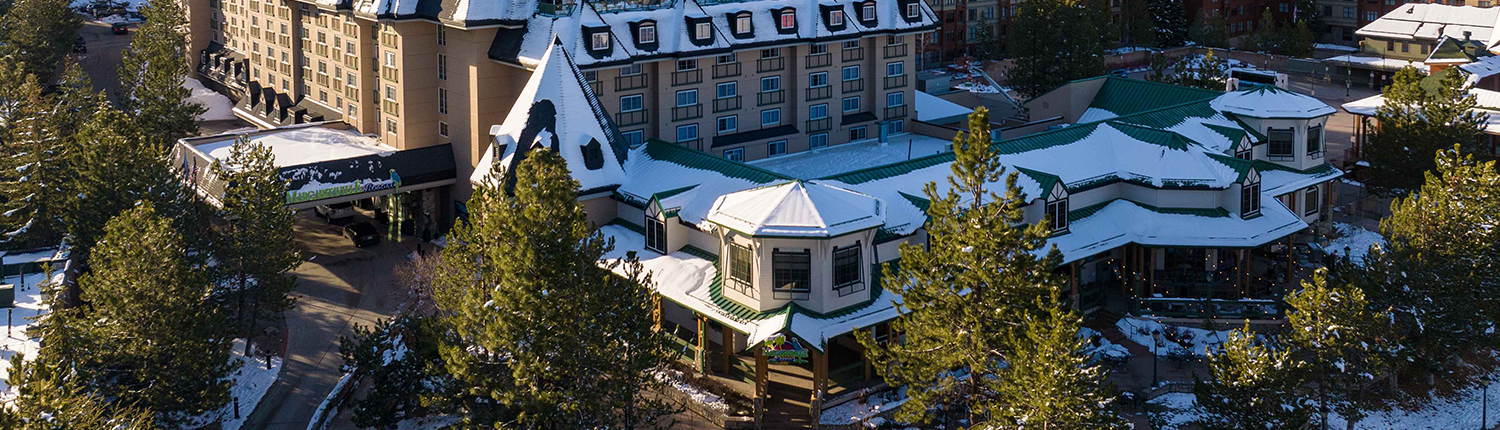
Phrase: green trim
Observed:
(1242, 167)
(688, 157)
(919, 202)
(1127, 97)
(630, 225)
(1319, 170)
(1088, 211)
(1045, 181)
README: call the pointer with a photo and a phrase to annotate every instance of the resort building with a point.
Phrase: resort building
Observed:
(1408, 35)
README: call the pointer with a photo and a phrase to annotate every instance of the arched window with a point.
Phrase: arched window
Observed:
(1250, 195)
(656, 228)
(1057, 208)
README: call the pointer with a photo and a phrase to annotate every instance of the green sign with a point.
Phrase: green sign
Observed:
(357, 187)
(780, 350)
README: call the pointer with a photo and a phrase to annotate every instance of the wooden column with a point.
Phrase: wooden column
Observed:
(819, 383)
(762, 387)
(869, 370)
(1289, 263)
(655, 312)
(1073, 283)
(700, 360)
(728, 342)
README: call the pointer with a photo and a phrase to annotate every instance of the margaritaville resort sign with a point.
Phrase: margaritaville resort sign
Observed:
(781, 350)
(349, 189)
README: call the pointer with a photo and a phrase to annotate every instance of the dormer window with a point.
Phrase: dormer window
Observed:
(912, 10)
(742, 24)
(1250, 195)
(791, 270)
(846, 270)
(1244, 150)
(646, 33)
(867, 12)
(788, 20)
(656, 229)
(1057, 209)
(702, 31)
(836, 16)
(599, 41)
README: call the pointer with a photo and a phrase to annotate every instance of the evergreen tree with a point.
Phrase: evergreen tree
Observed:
(151, 341)
(1416, 123)
(1057, 41)
(1137, 26)
(48, 397)
(400, 360)
(543, 336)
(258, 250)
(1171, 24)
(966, 291)
(73, 101)
(1209, 29)
(1050, 382)
(1251, 387)
(1342, 343)
(987, 44)
(1207, 72)
(1299, 40)
(32, 170)
(39, 33)
(151, 76)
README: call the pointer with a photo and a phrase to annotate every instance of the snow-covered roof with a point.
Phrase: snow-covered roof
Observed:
(1266, 101)
(1116, 223)
(1389, 64)
(1482, 68)
(1365, 106)
(1488, 104)
(934, 109)
(556, 110)
(798, 209)
(1433, 21)
(658, 168)
(302, 145)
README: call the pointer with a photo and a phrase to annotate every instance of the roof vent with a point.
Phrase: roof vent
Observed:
(1467, 34)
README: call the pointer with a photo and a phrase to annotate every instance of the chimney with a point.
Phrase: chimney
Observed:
(1467, 34)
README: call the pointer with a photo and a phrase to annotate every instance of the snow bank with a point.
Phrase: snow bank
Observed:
(1356, 239)
(1194, 340)
(1334, 47)
(251, 380)
(699, 395)
(219, 107)
(29, 304)
(975, 87)
(1463, 411)
(428, 423)
(120, 19)
(1179, 410)
(320, 417)
(1106, 349)
(854, 411)
(853, 156)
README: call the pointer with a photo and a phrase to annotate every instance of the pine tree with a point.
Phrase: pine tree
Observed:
(1057, 41)
(406, 374)
(1209, 29)
(1251, 387)
(1050, 382)
(39, 33)
(1170, 21)
(152, 73)
(1414, 124)
(966, 290)
(152, 341)
(548, 337)
(1342, 343)
(32, 170)
(1207, 72)
(48, 397)
(258, 250)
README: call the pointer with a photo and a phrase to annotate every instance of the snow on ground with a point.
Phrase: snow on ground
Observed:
(428, 423)
(29, 304)
(219, 107)
(1357, 239)
(251, 381)
(838, 159)
(1139, 330)
(1335, 47)
(120, 19)
(854, 411)
(1376, 62)
(699, 395)
(1181, 409)
(975, 87)
(1461, 412)
(127, 4)
(1106, 349)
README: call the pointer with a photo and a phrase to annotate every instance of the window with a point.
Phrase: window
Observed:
(442, 67)
(443, 101)
(858, 133)
(600, 41)
(390, 126)
(818, 79)
(1405, 47)
(818, 48)
(656, 234)
(633, 137)
(817, 111)
(390, 93)
(1369, 15)
(835, 17)
(728, 124)
(776, 148)
(686, 65)
(846, 270)
(1315, 141)
(851, 104)
(896, 68)
(736, 154)
(1057, 214)
(742, 24)
(819, 140)
(1348, 12)
(1390, 45)
(442, 129)
(869, 11)
(770, 117)
(770, 84)
(687, 133)
(1310, 201)
(1281, 144)
(647, 33)
(1284, 8)
(591, 75)
(770, 53)
(442, 36)
(702, 31)
(631, 70)
(1250, 196)
(727, 58)
(895, 99)
(630, 103)
(687, 97)
(851, 73)
(851, 44)
(912, 10)
(390, 58)
(788, 20)
(739, 266)
(895, 126)
(728, 89)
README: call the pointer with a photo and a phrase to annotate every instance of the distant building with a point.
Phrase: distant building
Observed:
(1407, 36)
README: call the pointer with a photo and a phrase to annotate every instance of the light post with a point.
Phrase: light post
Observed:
(1155, 343)
(1484, 412)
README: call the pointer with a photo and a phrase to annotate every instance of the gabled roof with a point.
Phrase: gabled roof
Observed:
(1433, 21)
(1450, 50)
(659, 168)
(798, 209)
(1122, 96)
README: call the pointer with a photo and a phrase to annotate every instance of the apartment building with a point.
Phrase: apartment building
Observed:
(739, 79)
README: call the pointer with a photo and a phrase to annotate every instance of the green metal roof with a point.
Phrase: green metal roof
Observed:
(1242, 167)
(1129, 96)
(1044, 181)
(1151, 135)
(1088, 211)
(920, 202)
(1169, 116)
(678, 154)
(1319, 170)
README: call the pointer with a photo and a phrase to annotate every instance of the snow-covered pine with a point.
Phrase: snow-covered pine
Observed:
(32, 171)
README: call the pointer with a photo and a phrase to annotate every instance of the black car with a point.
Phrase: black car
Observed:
(119, 28)
(362, 234)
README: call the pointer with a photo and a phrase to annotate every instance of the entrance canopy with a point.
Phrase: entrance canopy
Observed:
(323, 163)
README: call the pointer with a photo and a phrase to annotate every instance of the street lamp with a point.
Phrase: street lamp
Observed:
(1155, 343)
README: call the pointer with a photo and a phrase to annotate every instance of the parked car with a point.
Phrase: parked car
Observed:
(1119, 73)
(362, 234)
(79, 46)
(119, 28)
(336, 211)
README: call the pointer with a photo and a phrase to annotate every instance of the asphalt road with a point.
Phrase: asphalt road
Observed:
(102, 62)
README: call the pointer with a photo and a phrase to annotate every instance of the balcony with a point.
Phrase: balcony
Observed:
(819, 60)
(898, 81)
(820, 124)
(895, 112)
(852, 86)
(687, 112)
(637, 117)
(630, 82)
(726, 70)
(770, 64)
(726, 104)
(893, 51)
(855, 54)
(772, 97)
(819, 93)
(597, 87)
(687, 77)
(388, 73)
(390, 107)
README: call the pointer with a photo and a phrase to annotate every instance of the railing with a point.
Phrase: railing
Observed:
(390, 108)
(390, 74)
(770, 64)
(1207, 308)
(895, 112)
(630, 82)
(631, 118)
(893, 51)
(818, 60)
(854, 54)
(772, 97)
(726, 104)
(686, 77)
(687, 112)
(854, 85)
(726, 70)
(895, 81)
(820, 124)
(819, 93)
(555, 9)
(597, 87)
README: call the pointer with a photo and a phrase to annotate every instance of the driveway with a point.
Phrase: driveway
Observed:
(102, 62)
(339, 286)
